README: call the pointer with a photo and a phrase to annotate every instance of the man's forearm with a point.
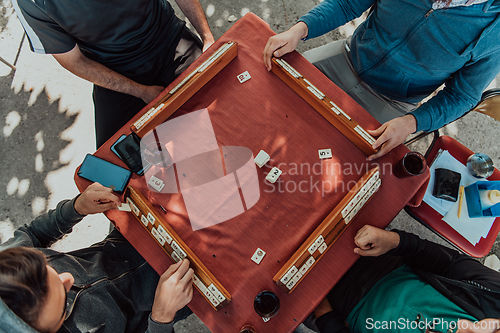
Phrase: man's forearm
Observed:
(75, 62)
(46, 228)
(195, 14)
(102, 76)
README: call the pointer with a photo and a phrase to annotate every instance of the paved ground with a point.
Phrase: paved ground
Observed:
(46, 117)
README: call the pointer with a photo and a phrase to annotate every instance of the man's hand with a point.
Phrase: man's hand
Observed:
(392, 133)
(373, 241)
(96, 199)
(174, 291)
(284, 43)
(208, 43)
(195, 14)
(150, 92)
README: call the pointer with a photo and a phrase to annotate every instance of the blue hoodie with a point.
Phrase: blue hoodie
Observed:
(406, 50)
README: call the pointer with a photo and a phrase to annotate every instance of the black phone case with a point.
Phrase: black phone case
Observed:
(106, 173)
(446, 184)
(129, 150)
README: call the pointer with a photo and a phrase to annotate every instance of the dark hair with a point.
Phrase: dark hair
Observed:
(23, 282)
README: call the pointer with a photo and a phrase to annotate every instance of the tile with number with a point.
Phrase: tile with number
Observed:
(273, 175)
(325, 153)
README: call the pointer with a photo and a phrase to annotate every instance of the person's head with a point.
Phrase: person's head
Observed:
(34, 291)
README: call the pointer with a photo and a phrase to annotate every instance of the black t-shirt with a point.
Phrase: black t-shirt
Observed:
(118, 34)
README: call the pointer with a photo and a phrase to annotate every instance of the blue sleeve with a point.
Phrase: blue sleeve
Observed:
(461, 93)
(46, 228)
(331, 14)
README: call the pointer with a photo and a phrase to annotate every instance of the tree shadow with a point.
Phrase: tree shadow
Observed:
(30, 149)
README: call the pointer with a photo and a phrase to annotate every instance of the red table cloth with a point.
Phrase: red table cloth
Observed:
(264, 113)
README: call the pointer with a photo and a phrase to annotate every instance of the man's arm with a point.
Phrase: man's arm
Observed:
(284, 43)
(424, 255)
(327, 16)
(174, 291)
(392, 133)
(461, 93)
(194, 12)
(78, 64)
(51, 226)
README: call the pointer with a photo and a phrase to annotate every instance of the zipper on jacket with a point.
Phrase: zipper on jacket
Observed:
(410, 31)
(87, 286)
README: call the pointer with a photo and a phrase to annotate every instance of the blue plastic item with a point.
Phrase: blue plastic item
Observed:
(474, 202)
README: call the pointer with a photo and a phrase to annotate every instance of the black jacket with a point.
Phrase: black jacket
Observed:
(463, 280)
(114, 286)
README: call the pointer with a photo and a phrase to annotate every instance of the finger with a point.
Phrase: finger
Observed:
(110, 197)
(98, 187)
(190, 294)
(384, 137)
(106, 206)
(183, 268)
(364, 244)
(382, 151)
(268, 52)
(379, 130)
(281, 50)
(359, 235)
(188, 277)
(366, 253)
(366, 241)
(362, 231)
(171, 270)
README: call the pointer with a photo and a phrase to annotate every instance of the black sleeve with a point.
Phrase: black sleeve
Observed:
(437, 259)
(46, 228)
(331, 322)
(44, 34)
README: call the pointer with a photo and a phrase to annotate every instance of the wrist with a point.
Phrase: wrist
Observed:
(161, 322)
(208, 38)
(162, 317)
(411, 122)
(140, 91)
(394, 240)
(79, 209)
(301, 29)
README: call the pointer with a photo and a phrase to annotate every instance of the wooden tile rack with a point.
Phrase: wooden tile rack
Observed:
(185, 89)
(324, 105)
(174, 246)
(325, 235)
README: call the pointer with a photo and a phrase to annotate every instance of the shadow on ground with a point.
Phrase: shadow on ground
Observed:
(30, 146)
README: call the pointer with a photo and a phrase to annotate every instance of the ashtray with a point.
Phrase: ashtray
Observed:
(480, 165)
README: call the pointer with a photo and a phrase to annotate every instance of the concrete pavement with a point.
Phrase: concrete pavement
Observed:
(46, 116)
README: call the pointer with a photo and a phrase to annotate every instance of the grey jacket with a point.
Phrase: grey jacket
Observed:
(114, 286)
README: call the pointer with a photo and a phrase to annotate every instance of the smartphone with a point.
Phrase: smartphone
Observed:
(106, 173)
(114, 150)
